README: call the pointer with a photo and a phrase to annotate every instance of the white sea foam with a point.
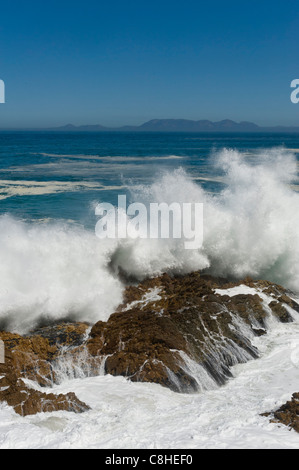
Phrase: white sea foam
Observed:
(9, 188)
(250, 228)
(51, 272)
(126, 415)
(112, 158)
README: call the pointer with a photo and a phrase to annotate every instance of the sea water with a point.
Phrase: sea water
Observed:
(53, 267)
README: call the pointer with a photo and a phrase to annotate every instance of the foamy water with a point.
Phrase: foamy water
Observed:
(139, 415)
(56, 270)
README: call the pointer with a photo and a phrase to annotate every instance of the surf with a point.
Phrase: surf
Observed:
(57, 270)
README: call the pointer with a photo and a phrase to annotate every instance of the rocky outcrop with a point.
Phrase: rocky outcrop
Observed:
(184, 333)
(31, 357)
(27, 401)
(287, 414)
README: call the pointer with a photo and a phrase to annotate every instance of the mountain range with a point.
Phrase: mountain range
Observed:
(174, 125)
(180, 125)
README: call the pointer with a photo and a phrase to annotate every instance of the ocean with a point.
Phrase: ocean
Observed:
(53, 267)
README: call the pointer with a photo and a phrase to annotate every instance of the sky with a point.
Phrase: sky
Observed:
(126, 62)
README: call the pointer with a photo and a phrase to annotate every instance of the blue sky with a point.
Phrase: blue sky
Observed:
(125, 62)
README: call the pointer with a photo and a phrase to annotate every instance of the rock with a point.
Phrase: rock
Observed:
(34, 353)
(27, 401)
(169, 326)
(62, 334)
(287, 414)
(280, 311)
(183, 332)
(30, 358)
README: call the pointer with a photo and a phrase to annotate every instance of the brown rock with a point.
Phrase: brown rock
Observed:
(30, 357)
(144, 340)
(280, 312)
(287, 414)
(173, 331)
(27, 401)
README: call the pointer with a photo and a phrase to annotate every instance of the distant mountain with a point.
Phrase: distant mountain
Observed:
(177, 125)
(184, 125)
(170, 125)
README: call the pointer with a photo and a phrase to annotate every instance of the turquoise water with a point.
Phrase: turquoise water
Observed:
(61, 175)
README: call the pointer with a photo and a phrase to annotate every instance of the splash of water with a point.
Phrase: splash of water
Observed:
(54, 271)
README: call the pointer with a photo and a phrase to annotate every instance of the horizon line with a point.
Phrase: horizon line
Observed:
(156, 125)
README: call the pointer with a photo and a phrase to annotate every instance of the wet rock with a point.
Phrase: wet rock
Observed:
(62, 334)
(287, 414)
(169, 326)
(28, 401)
(183, 332)
(31, 358)
(280, 311)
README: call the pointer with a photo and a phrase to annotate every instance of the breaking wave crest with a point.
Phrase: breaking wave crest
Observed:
(54, 271)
